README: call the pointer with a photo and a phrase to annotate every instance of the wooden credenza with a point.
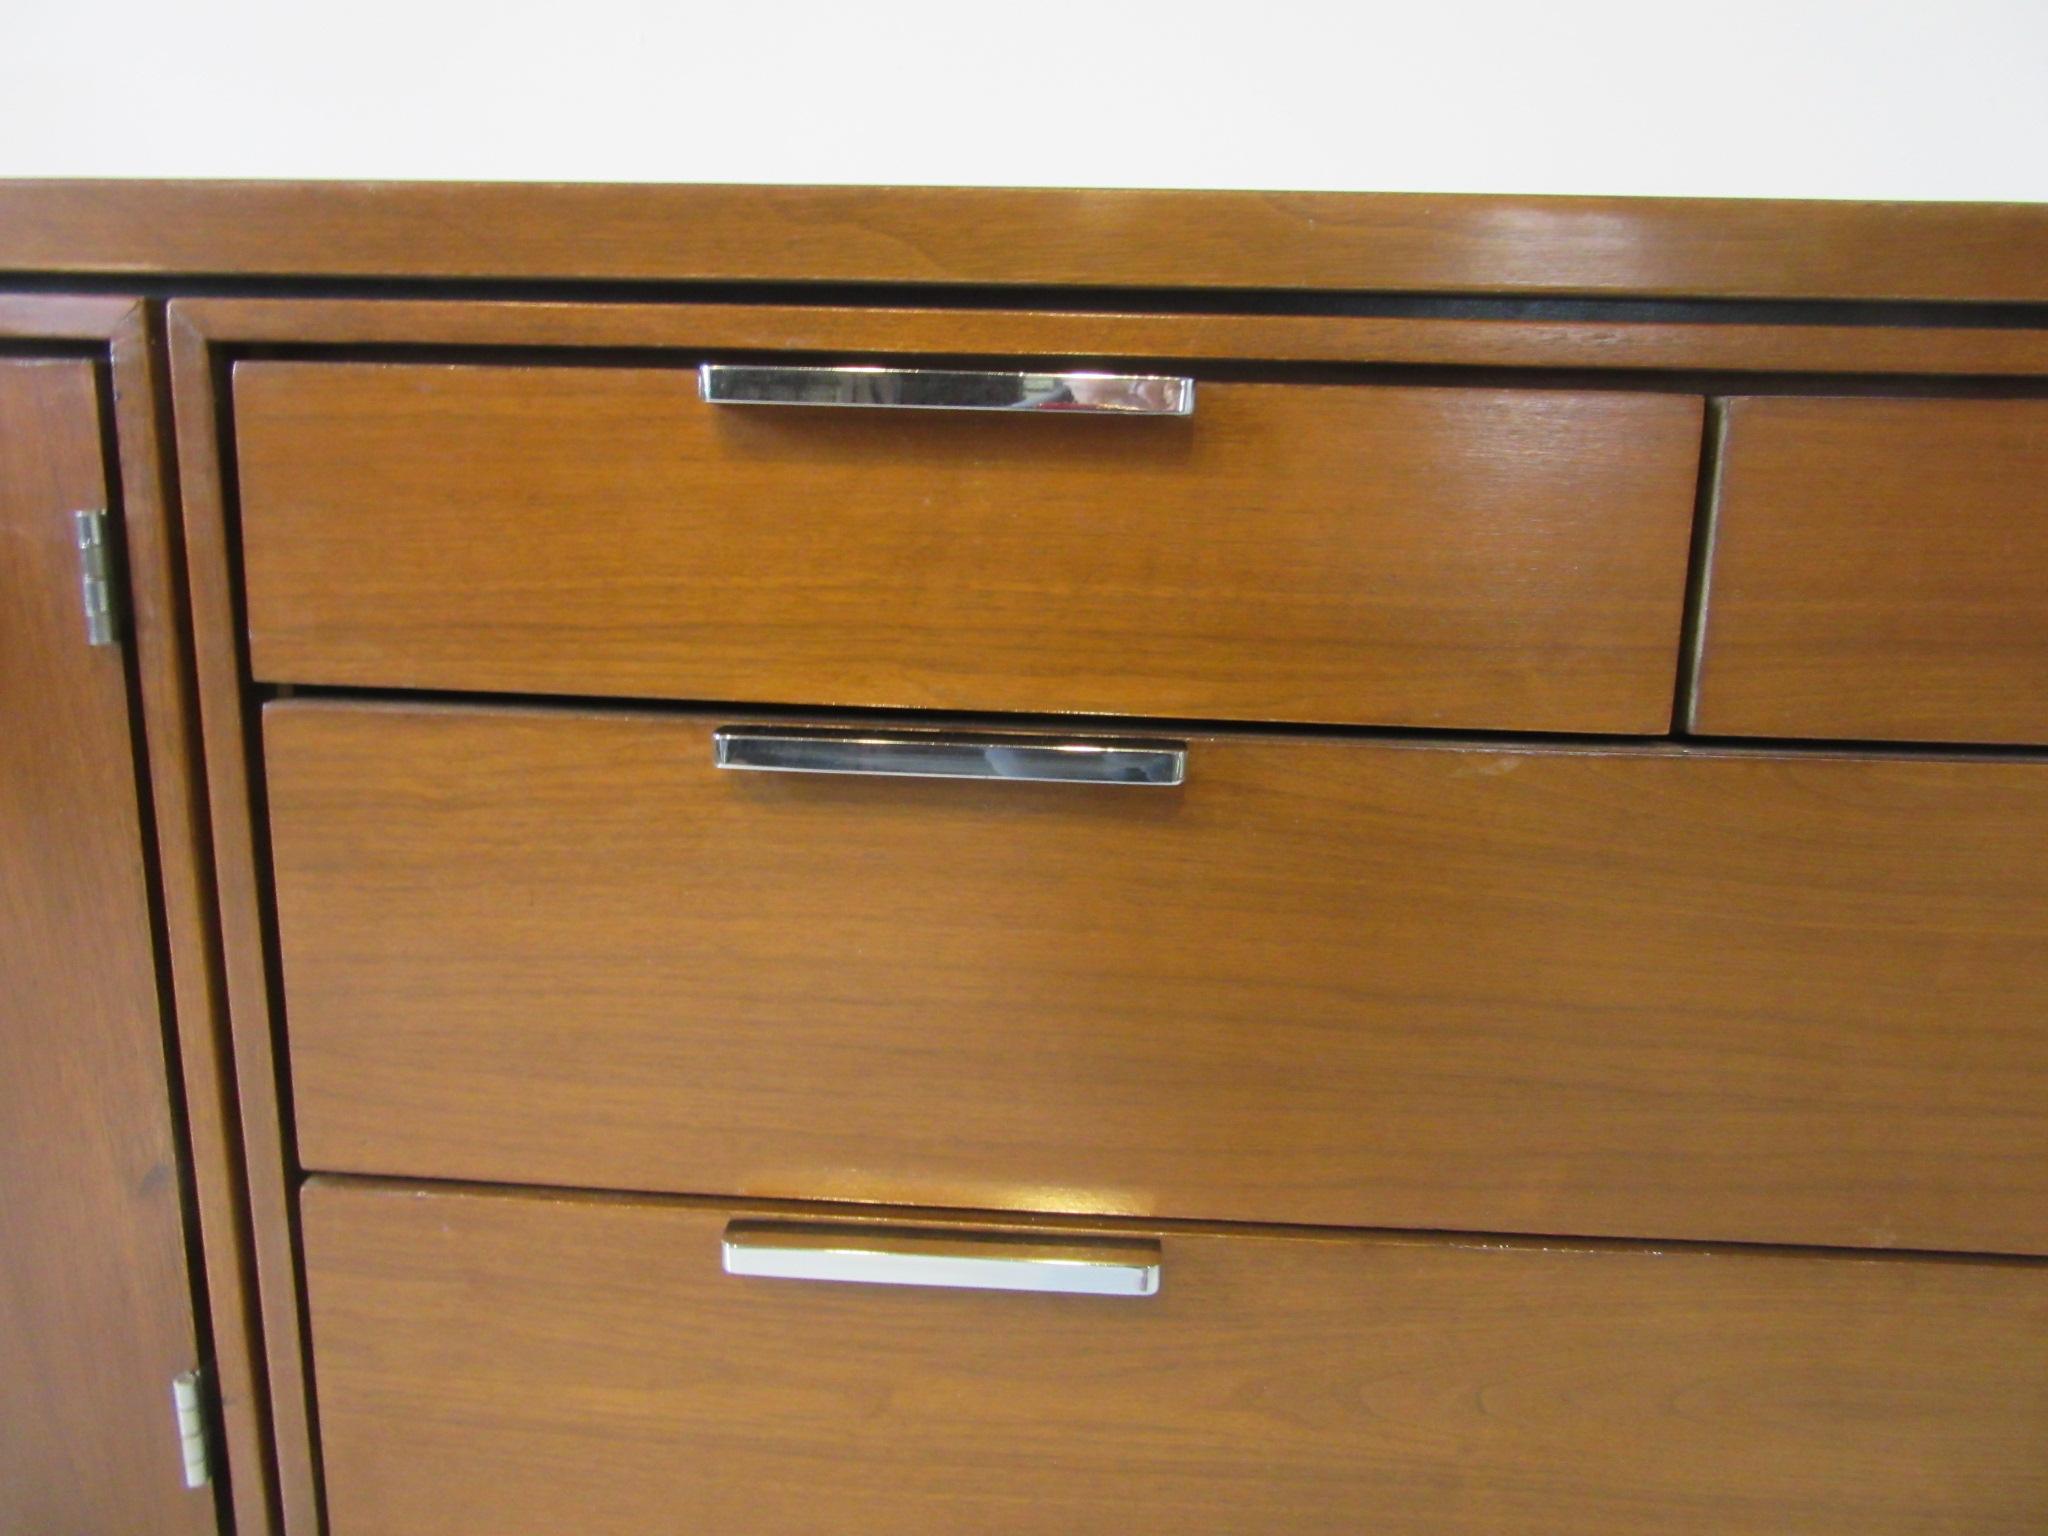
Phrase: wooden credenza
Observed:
(912, 862)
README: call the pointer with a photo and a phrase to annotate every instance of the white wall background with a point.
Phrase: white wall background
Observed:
(1770, 98)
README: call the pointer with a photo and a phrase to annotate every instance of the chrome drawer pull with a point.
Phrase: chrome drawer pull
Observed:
(944, 389)
(925, 755)
(1067, 1266)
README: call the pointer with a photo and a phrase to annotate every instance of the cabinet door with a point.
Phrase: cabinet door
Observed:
(96, 1305)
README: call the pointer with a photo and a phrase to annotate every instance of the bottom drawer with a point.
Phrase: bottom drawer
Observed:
(514, 1363)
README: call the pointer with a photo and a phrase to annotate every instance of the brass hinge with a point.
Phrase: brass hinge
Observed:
(96, 576)
(188, 1397)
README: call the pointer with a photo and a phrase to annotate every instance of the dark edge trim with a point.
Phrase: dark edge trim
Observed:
(413, 1186)
(1692, 640)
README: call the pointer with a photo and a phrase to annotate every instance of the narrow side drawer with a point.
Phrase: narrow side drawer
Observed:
(1880, 571)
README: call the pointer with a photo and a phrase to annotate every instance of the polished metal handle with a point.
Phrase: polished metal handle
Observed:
(996, 1261)
(942, 389)
(950, 755)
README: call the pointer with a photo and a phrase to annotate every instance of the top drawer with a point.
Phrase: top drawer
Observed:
(1510, 559)
(1880, 570)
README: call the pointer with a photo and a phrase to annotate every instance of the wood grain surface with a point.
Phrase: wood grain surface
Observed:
(1626, 992)
(1110, 333)
(525, 1366)
(1707, 247)
(1411, 556)
(1880, 570)
(161, 640)
(243, 902)
(71, 317)
(96, 1307)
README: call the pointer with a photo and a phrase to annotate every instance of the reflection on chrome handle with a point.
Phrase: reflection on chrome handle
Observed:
(992, 1261)
(949, 755)
(941, 389)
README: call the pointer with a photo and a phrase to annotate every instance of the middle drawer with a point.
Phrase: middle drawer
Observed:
(1629, 992)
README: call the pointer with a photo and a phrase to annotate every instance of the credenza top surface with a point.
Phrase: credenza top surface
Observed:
(1589, 247)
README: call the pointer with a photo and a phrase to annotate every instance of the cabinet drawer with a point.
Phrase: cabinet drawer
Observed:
(1415, 556)
(1880, 570)
(518, 1364)
(1623, 992)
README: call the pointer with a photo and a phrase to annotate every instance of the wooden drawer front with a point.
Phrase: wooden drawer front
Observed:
(1880, 570)
(514, 1363)
(1493, 558)
(1625, 993)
